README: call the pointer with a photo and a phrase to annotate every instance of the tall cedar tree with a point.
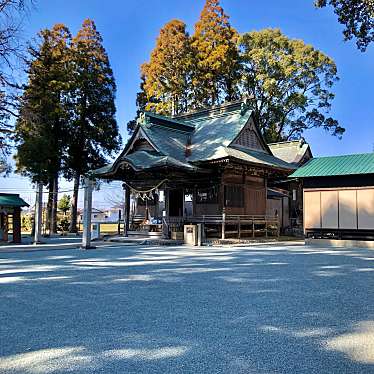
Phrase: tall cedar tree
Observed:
(93, 132)
(358, 18)
(216, 57)
(167, 74)
(290, 82)
(41, 125)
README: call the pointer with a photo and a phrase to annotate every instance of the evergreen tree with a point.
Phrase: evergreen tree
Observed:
(290, 83)
(216, 57)
(41, 125)
(358, 18)
(93, 131)
(167, 74)
(64, 203)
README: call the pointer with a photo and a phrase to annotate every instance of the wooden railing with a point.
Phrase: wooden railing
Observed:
(228, 225)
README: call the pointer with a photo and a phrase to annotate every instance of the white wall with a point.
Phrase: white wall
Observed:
(339, 208)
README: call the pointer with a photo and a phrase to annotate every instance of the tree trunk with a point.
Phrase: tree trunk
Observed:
(49, 206)
(74, 205)
(54, 205)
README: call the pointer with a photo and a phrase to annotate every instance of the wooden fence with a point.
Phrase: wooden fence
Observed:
(233, 226)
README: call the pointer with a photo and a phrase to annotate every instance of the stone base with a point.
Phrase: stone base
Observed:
(341, 243)
(83, 248)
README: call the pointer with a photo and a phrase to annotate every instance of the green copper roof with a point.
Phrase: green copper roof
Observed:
(257, 157)
(191, 139)
(144, 160)
(293, 151)
(170, 122)
(12, 200)
(337, 165)
(214, 132)
(168, 142)
(141, 160)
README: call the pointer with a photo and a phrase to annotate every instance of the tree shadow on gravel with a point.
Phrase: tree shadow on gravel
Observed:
(264, 309)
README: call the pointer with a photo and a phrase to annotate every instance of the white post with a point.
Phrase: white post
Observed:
(127, 210)
(87, 210)
(38, 213)
(200, 234)
(223, 224)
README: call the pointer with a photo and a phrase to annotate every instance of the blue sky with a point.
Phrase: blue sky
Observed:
(129, 30)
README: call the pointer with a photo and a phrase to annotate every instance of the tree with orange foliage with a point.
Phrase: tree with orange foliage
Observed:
(167, 74)
(216, 57)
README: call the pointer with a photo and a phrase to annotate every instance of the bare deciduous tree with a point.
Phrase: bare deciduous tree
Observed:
(12, 13)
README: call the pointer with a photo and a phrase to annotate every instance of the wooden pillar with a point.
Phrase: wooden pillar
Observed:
(17, 225)
(38, 214)
(183, 204)
(87, 211)
(6, 227)
(165, 215)
(194, 198)
(223, 224)
(119, 221)
(157, 206)
(239, 228)
(127, 210)
(1, 226)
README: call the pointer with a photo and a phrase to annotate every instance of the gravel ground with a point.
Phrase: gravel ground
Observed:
(135, 309)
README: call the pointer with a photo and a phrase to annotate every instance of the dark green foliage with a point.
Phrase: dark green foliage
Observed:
(64, 224)
(43, 116)
(289, 83)
(93, 130)
(64, 204)
(358, 18)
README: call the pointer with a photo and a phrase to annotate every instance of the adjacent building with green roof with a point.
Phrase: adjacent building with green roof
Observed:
(10, 211)
(338, 196)
(356, 164)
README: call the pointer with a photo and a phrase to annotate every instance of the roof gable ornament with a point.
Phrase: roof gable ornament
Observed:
(251, 138)
(140, 142)
(143, 119)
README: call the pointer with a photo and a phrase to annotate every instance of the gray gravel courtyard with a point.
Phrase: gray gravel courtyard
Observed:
(138, 309)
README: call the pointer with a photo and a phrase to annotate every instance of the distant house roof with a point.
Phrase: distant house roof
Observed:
(295, 151)
(93, 211)
(188, 141)
(11, 200)
(337, 165)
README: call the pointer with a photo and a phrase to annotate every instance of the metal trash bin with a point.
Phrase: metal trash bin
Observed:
(95, 231)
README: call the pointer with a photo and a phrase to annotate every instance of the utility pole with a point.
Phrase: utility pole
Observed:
(38, 213)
